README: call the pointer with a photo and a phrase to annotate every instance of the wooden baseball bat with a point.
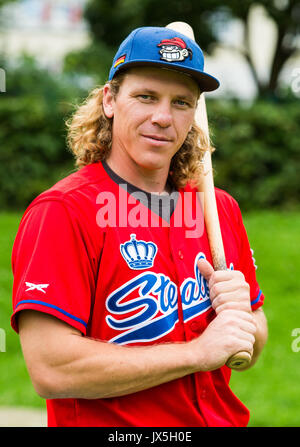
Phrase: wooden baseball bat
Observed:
(241, 359)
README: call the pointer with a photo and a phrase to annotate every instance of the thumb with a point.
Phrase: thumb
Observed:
(205, 269)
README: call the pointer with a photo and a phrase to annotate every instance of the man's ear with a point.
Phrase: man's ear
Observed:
(108, 101)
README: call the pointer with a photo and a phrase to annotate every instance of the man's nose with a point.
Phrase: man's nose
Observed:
(162, 114)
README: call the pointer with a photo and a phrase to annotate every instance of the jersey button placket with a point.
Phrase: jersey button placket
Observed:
(203, 394)
(180, 254)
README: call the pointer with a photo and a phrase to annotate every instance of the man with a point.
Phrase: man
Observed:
(122, 319)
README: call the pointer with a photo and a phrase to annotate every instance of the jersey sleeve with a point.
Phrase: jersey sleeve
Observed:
(52, 265)
(246, 262)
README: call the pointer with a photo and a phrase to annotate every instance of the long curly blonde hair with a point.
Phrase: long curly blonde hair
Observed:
(89, 138)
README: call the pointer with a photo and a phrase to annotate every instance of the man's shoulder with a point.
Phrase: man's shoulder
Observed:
(222, 196)
(227, 205)
(89, 175)
(82, 183)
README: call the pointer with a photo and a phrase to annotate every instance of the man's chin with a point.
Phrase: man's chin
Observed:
(154, 164)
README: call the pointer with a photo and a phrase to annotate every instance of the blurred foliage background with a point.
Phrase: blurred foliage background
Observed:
(252, 140)
(256, 160)
(33, 152)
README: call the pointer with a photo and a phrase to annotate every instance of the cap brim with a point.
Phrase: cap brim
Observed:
(206, 82)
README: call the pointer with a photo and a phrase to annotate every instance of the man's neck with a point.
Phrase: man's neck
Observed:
(154, 181)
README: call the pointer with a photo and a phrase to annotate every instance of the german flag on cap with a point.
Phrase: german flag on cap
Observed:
(120, 60)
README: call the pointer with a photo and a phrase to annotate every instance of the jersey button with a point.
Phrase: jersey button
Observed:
(203, 394)
(180, 254)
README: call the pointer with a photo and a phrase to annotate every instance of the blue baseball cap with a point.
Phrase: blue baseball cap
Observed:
(166, 48)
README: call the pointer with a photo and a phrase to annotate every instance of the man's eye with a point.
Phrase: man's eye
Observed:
(146, 97)
(181, 103)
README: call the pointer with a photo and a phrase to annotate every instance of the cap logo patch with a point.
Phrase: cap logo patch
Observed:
(120, 60)
(174, 50)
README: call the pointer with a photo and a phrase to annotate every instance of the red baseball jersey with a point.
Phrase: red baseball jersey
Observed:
(95, 253)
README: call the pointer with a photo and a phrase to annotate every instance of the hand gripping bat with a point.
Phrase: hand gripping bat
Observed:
(241, 359)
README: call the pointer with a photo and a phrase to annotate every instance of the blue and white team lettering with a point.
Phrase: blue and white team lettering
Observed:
(153, 311)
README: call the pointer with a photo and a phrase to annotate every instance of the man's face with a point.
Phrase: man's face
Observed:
(152, 114)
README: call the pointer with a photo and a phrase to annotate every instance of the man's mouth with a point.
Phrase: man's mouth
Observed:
(157, 137)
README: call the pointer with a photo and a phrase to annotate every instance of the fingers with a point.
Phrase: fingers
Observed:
(224, 275)
(242, 326)
(227, 287)
(205, 269)
(239, 318)
(235, 305)
(231, 300)
(234, 327)
(216, 278)
(232, 331)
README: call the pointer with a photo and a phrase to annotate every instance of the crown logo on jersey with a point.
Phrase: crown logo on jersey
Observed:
(138, 254)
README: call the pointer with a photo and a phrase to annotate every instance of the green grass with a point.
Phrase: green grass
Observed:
(271, 389)
(15, 385)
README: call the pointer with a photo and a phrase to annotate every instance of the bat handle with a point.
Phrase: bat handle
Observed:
(242, 359)
(239, 360)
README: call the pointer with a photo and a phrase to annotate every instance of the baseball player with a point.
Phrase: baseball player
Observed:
(122, 319)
